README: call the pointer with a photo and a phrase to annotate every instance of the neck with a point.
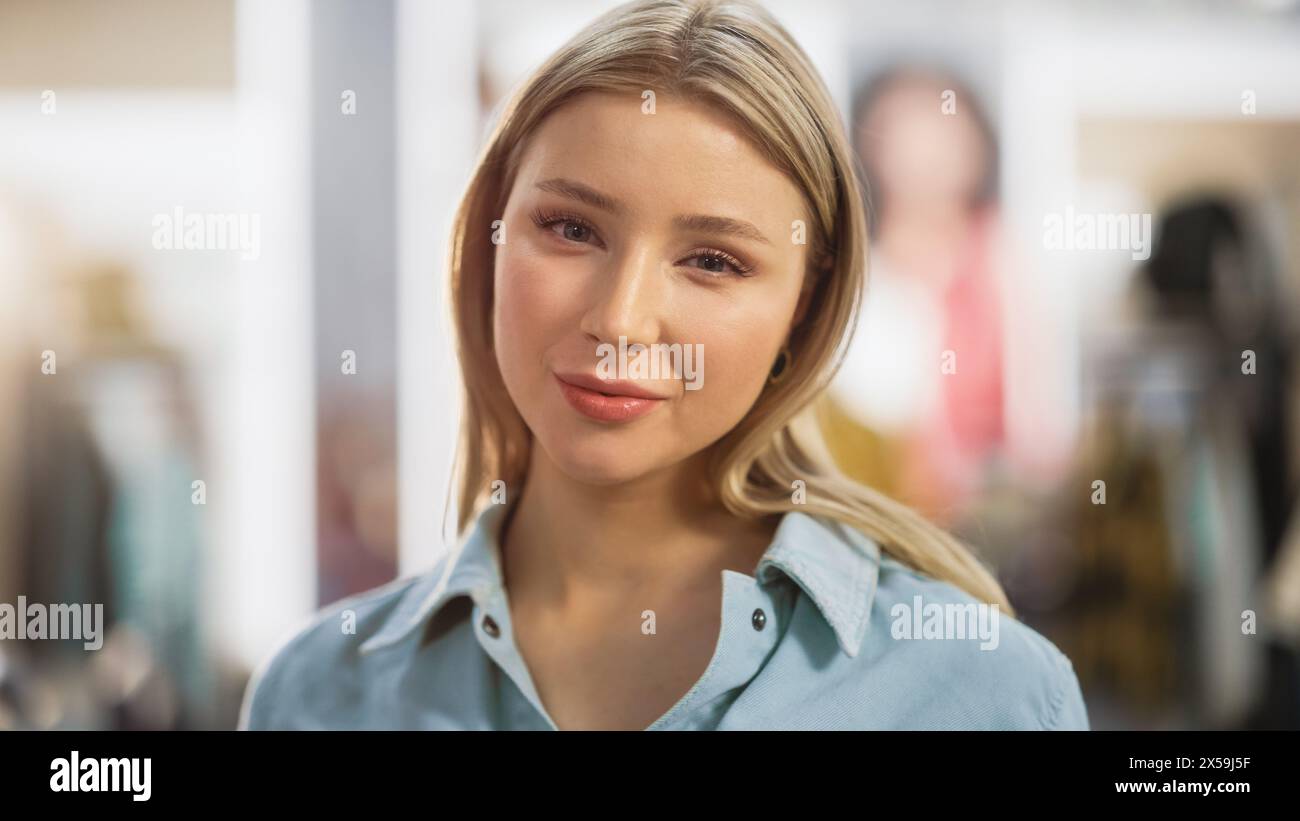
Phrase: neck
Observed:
(568, 542)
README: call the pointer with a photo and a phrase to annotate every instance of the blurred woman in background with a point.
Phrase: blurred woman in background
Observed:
(917, 408)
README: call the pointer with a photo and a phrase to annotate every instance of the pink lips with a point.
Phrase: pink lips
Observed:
(607, 401)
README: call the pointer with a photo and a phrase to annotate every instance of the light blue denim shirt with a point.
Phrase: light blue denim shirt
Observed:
(828, 635)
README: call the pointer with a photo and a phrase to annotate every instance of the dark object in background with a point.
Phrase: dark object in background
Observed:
(1208, 268)
(1211, 268)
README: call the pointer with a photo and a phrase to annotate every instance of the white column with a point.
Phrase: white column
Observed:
(264, 500)
(437, 128)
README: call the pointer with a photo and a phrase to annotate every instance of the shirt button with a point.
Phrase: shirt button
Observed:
(490, 627)
(759, 619)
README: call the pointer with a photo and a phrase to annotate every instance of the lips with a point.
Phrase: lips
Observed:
(607, 401)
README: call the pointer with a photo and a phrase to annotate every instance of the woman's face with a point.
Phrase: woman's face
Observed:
(664, 229)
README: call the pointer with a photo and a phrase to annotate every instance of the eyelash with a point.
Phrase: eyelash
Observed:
(544, 220)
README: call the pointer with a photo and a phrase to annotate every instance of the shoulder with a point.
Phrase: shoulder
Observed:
(315, 661)
(982, 667)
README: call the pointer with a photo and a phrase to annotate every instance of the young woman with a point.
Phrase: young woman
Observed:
(667, 548)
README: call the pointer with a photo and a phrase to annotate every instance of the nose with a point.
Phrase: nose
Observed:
(629, 301)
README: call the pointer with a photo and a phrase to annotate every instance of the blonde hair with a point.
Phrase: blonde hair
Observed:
(734, 56)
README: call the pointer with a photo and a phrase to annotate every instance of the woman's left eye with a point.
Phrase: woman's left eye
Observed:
(715, 264)
(575, 231)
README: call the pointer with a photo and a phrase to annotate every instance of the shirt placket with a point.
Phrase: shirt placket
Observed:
(754, 617)
(495, 634)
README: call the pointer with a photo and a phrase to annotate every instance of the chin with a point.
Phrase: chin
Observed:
(597, 459)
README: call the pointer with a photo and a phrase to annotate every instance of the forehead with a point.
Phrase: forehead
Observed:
(686, 156)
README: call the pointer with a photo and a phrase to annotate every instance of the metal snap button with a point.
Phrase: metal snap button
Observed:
(490, 627)
(759, 619)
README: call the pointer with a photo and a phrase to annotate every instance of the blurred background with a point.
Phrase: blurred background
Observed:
(1078, 351)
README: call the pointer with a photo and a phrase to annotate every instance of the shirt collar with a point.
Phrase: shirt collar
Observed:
(835, 565)
(472, 570)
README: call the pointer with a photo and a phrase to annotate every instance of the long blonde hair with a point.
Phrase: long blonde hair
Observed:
(733, 55)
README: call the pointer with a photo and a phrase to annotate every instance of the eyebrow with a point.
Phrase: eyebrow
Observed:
(691, 222)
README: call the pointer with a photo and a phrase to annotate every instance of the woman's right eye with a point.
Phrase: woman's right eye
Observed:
(569, 227)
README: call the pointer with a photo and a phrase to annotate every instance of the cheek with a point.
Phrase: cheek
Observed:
(738, 352)
(531, 312)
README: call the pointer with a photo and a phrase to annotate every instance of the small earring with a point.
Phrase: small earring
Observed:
(782, 365)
